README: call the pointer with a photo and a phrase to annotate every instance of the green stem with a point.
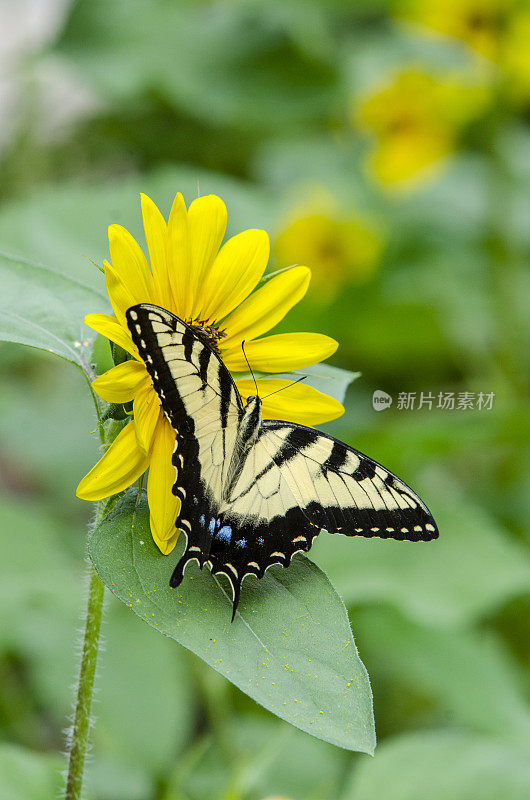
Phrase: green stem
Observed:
(85, 688)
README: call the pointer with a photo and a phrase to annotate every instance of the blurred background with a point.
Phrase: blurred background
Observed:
(385, 145)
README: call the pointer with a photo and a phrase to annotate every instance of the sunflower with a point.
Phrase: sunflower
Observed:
(221, 291)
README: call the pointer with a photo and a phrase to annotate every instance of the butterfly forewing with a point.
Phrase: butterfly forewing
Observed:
(202, 404)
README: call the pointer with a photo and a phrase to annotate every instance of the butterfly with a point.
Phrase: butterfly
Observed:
(254, 492)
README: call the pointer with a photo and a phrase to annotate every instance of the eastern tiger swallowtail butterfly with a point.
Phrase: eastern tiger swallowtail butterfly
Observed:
(256, 492)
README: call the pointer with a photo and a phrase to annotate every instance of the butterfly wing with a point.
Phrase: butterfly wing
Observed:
(296, 481)
(202, 404)
(291, 483)
(342, 490)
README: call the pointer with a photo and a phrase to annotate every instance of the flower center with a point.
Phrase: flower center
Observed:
(208, 333)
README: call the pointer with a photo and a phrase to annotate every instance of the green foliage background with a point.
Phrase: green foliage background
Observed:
(253, 101)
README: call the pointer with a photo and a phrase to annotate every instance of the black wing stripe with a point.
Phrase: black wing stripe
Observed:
(225, 385)
(204, 359)
(187, 340)
(336, 459)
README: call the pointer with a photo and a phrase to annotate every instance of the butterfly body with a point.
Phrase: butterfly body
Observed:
(253, 493)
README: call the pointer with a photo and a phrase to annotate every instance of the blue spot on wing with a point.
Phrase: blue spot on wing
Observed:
(224, 534)
(241, 543)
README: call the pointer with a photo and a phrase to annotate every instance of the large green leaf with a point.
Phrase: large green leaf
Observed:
(437, 765)
(290, 646)
(44, 308)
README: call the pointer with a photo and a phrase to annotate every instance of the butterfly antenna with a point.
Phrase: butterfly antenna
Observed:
(198, 189)
(250, 368)
(285, 387)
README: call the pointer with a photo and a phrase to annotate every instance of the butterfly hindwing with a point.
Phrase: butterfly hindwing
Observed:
(255, 496)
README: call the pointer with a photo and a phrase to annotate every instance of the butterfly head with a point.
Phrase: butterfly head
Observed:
(253, 407)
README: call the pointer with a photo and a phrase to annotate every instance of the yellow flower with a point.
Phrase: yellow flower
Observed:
(339, 250)
(415, 120)
(479, 23)
(498, 30)
(214, 288)
(515, 61)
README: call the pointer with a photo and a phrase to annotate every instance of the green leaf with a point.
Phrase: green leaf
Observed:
(442, 764)
(25, 775)
(290, 646)
(333, 381)
(45, 309)
(329, 380)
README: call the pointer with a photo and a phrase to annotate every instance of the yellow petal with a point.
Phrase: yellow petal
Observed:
(110, 327)
(297, 403)
(178, 257)
(122, 464)
(130, 263)
(121, 383)
(163, 505)
(119, 295)
(207, 226)
(266, 306)
(146, 409)
(234, 274)
(155, 230)
(283, 352)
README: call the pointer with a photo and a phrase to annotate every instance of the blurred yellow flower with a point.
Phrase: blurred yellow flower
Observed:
(499, 30)
(212, 288)
(515, 58)
(415, 120)
(479, 23)
(339, 250)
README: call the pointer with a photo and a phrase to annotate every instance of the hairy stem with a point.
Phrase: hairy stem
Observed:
(85, 688)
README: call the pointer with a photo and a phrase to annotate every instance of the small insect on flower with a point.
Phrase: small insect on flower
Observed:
(218, 291)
